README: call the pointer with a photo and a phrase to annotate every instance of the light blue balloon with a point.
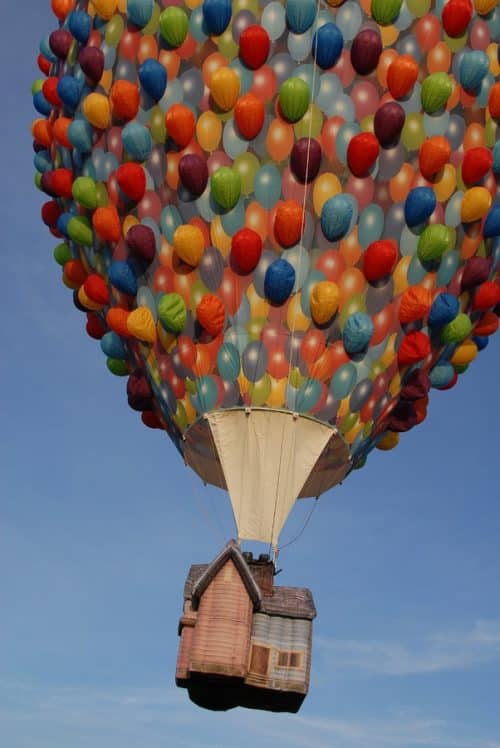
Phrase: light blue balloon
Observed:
(170, 220)
(242, 313)
(342, 106)
(416, 271)
(234, 219)
(291, 396)
(228, 362)
(453, 209)
(139, 12)
(448, 267)
(484, 91)
(300, 15)
(238, 336)
(299, 45)
(308, 395)
(197, 27)
(436, 124)
(308, 73)
(267, 186)
(173, 95)
(109, 55)
(299, 259)
(232, 141)
(244, 74)
(344, 137)
(192, 87)
(414, 102)
(137, 141)
(206, 394)
(343, 381)
(473, 67)
(46, 51)
(113, 346)
(408, 242)
(330, 88)
(42, 161)
(442, 374)
(370, 225)
(80, 135)
(357, 332)
(273, 20)
(204, 206)
(349, 18)
(494, 24)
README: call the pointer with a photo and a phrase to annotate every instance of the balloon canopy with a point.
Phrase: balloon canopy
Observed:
(281, 219)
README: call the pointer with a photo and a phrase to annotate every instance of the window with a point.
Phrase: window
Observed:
(290, 659)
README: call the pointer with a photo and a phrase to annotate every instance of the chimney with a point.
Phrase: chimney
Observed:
(262, 570)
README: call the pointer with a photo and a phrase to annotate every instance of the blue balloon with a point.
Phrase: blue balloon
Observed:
(419, 205)
(46, 51)
(217, 14)
(336, 216)
(254, 361)
(62, 223)
(80, 25)
(448, 267)
(137, 141)
(238, 336)
(327, 45)
(300, 15)
(279, 281)
(481, 341)
(496, 158)
(444, 309)
(41, 104)
(139, 12)
(153, 78)
(69, 91)
(170, 220)
(474, 66)
(492, 224)
(122, 277)
(228, 362)
(343, 381)
(371, 225)
(357, 332)
(308, 395)
(206, 394)
(42, 161)
(267, 186)
(113, 346)
(80, 135)
(441, 375)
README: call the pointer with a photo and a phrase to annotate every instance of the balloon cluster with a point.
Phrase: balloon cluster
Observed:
(283, 204)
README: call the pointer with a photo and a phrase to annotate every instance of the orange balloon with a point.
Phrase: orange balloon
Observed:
(474, 136)
(148, 48)
(400, 185)
(171, 62)
(172, 175)
(279, 140)
(352, 281)
(60, 131)
(208, 131)
(385, 60)
(212, 63)
(439, 58)
(61, 8)
(256, 219)
(350, 248)
(42, 132)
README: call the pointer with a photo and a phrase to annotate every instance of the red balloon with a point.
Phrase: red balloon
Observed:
(332, 264)
(312, 346)
(362, 152)
(476, 164)
(379, 259)
(180, 123)
(246, 249)
(254, 46)
(249, 115)
(278, 364)
(288, 223)
(456, 17)
(132, 181)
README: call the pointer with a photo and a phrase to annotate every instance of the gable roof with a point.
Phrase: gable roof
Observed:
(289, 602)
(233, 553)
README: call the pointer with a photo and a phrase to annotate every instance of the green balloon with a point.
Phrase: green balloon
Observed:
(247, 165)
(461, 368)
(38, 180)
(311, 123)
(117, 367)
(457, 330)
(80, 231)
(294, 99)
(172, 312)
(413, 133)
(435, 92)
(385, 12)
(102, 195)
(62, 253)
(181, 416)
(259, 391)
(85, 192)
(198, 291)
(157, 125)
(114, 31)
(434, 241)
(174, 26)
(37, 86)
(152, 25)
(225, 184)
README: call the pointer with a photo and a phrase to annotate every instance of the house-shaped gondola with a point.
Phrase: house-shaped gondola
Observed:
(244, 642)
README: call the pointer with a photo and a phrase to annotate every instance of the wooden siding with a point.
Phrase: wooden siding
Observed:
(279, 635)
(183, 656)
(224, 620)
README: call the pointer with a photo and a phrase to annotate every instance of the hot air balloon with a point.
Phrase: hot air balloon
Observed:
(281, 220)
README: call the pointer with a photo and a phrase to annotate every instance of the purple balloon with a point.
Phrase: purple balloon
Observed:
(60, 43)
(365, 51)
(211, 268)
(305, 159)
(91, 61)
(388, 123)
(142, 242)
(139, 394)
(193, 173)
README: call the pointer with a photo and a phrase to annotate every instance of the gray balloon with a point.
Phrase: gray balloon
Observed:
(390, 162)
(360, 395)
(394, 222)
(211, 268)
(455, 132)
(192, 86)
(242, 21)
(283, 66)
(377, 297)
(231, 394)
(328, 412)
(254, 361)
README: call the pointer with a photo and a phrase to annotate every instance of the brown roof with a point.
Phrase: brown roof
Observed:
(290, 602)
(230, 551)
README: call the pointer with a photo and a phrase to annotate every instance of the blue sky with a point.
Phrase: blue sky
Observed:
(100, 521)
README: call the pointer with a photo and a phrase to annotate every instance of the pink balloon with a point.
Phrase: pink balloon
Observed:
(365, 98)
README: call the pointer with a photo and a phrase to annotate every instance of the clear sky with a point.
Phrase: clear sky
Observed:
(99, 522)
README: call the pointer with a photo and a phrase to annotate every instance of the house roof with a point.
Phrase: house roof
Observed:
(290, 602)
(230, 551)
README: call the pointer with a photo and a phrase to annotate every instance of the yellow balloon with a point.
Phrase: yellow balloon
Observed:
(192, 4)
(445, 185)
(259, 307)
(86, 302)
(388, 441)
(167, 339)
(189, 243)
(106, 80)
(295, 317)
(225, 88)
(128, 222)
(400, 274)
(141, 325)
(325, 297)
(105, 8)
(277, 397)
(389, 354)
(494, 61)
(208, 131)
(484, 7)
(464, 354)
(188, 407)
(325, 186)
(389, 35)
(219, 238)
(97, 110)
(343, 408)
(475, 205)
(352, 433)
(395, 385)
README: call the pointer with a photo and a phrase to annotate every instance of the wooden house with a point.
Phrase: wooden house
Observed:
(244, 642)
